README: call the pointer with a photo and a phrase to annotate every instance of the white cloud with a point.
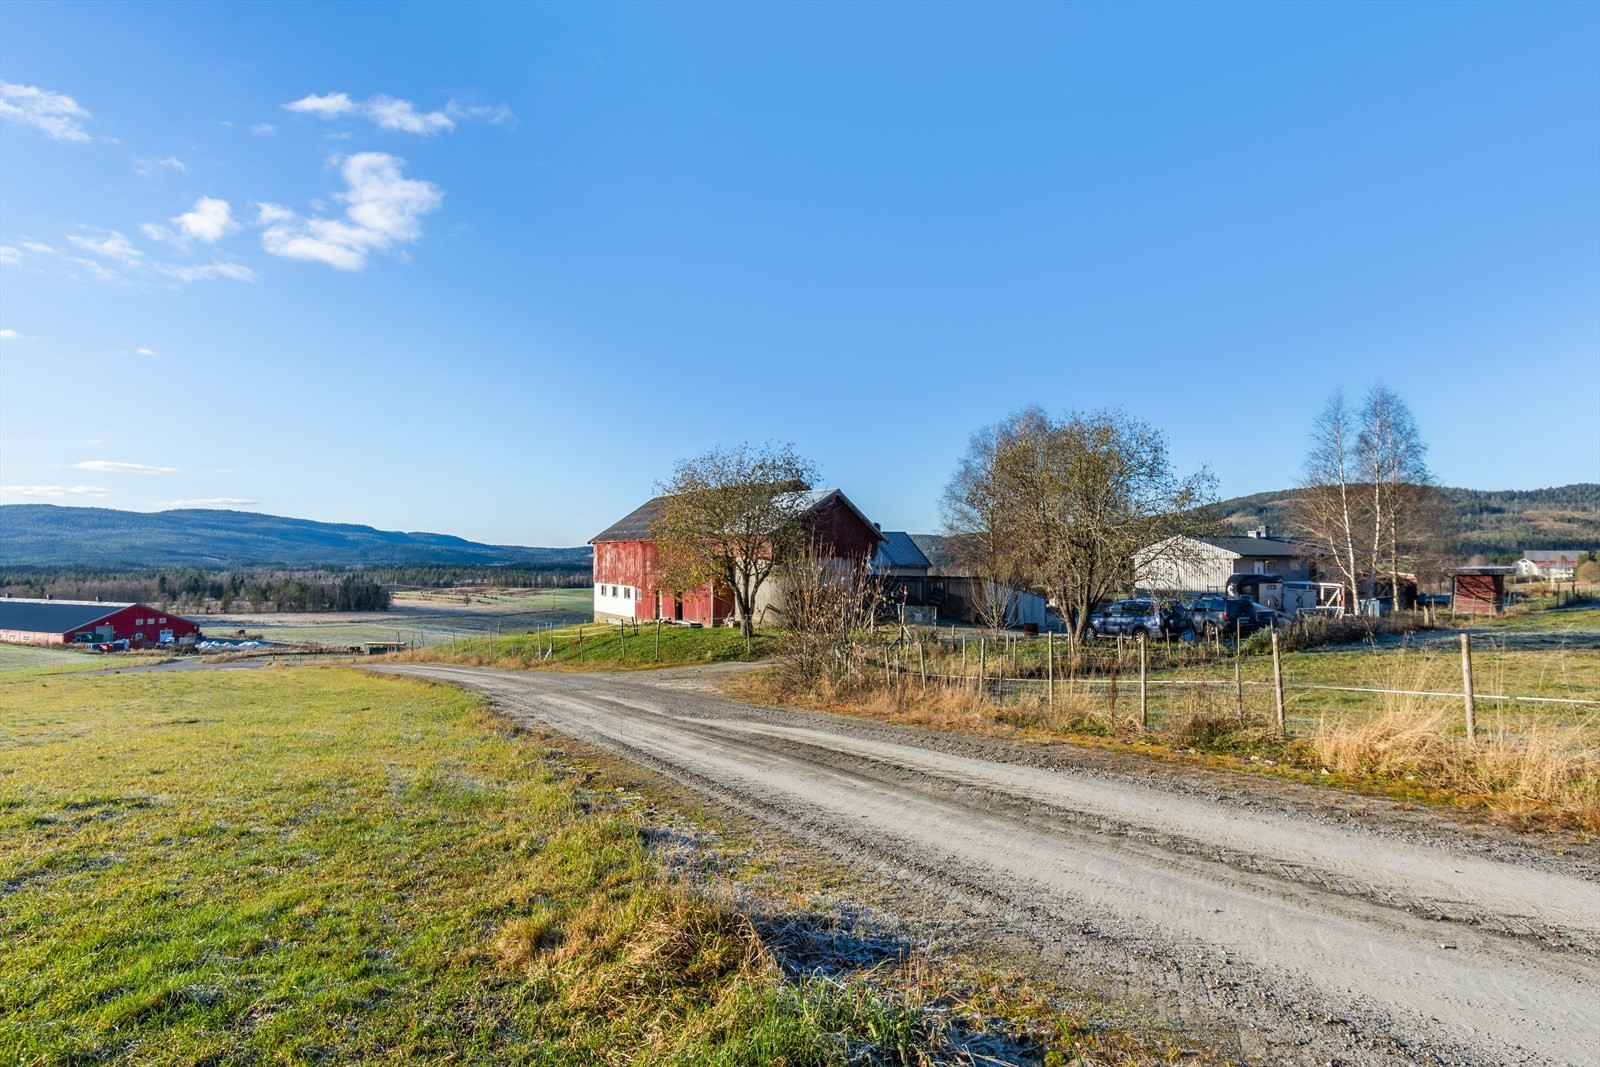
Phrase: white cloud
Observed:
(144, 351)
(205, 272)
(211, 502)
(263, 129)
(384, 208)
(54, 114)
(148, 165)
(327, 106)
(392, 113)
(10, 256)
(53, 492)
(111, 466)
(10, 335)
(35, 246)
(113, 246)
(210, 221)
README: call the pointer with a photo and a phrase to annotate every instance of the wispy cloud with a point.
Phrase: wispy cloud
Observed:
(211, 502)
(148, 165)
(111, 466)
(9, 334)
(54, 114)
(53, 492)
(112, 246)
(384, 208)
(263, 129)
(392, 113)
(144, 351)
(10, 255)
(41, 249)
(204, 272)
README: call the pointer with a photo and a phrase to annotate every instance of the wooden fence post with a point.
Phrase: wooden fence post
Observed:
(1466, 688)
(1050, 667)
(580, 644)
(622, 636)
(1144, 705)
(983, 660)
(658, 640)
(1277, 684)
(922, 663)
(1238, 689)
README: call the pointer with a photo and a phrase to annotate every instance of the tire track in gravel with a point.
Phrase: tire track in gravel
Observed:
(1333, 943)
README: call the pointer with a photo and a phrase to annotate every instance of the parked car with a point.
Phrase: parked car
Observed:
(1212, 616)
(1228, 615)
(1157, 618)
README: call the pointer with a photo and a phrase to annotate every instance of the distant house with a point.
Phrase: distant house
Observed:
(899, 557)
(627, 561)
(1555, 565)
(1204, 564)
(66, 622)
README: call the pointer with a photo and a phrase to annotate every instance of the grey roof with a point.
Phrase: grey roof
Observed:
(898, 550)
(1554, 555)
(1257, 546)
(52, 616)
(635, 525)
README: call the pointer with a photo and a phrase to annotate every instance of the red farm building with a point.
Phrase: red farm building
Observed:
(626, 562)
(1479, 590)
(67, 622)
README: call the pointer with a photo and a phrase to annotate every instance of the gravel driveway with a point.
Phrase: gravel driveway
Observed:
(1329, 933)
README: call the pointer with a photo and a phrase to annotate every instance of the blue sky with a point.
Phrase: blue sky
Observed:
(489, 270)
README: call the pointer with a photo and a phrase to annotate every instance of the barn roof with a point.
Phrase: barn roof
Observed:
(899, 550)
(1256, 546)
(635, 525)
(53, 616)
(1555, 555)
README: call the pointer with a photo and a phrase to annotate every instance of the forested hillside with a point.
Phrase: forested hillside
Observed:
(1497, 524)
(47, 535)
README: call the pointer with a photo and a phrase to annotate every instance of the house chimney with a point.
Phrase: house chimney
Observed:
(1261, 531)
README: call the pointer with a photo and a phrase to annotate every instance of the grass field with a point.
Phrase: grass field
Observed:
(603, 647)
(323, 866)
(423, 618)
(14, 658)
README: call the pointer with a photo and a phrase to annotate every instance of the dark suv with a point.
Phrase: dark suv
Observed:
(1164, 618)
(1228, 615)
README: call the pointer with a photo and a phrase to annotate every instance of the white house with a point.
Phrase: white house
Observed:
(1204, 564)
(1557, 564)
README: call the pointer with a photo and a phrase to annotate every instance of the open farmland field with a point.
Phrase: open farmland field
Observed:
(317, 865)
(15, 658)
(424, 618)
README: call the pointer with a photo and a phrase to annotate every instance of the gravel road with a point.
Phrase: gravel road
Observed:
(1324, 937)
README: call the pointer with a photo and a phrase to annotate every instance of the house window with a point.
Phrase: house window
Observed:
(163, 618)
(627, 592)
(1261, 568)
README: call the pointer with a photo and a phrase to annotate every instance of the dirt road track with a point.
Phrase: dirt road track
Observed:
(1325, 941)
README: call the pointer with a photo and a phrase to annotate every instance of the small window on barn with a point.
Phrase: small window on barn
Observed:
(163, 618)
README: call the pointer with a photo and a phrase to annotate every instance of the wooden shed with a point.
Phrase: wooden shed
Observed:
(1479, 590)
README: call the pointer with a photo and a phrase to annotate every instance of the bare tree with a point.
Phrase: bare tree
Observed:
(1366, 497)
(1325, 506)
(1063, 504)
(729, 516)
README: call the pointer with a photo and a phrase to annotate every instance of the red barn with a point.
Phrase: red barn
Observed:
(626, 561)
(66, 622)
(1479, 590)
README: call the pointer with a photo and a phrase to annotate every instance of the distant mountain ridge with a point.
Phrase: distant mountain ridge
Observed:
(48, 535)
